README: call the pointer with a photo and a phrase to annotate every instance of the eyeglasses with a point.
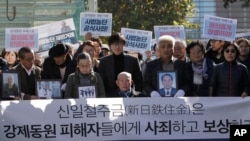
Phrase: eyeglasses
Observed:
(230, 50)
(29, 59)
(84, 66)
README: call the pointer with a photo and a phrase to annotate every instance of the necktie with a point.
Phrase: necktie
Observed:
(167, 94)
(45, 92)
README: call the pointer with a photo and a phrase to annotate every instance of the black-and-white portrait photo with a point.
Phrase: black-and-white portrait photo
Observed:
(10, 85)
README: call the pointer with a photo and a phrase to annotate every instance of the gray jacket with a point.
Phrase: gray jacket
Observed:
(73, 83)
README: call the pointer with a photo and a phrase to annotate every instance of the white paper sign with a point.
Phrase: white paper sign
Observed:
(219, 28)
(174, 31)
(15, 38)
(99, 24)
(137, 40)
(52, 33)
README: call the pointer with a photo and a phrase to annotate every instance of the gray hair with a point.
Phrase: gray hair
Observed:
(124, 73)
(166, 38)
(181, 41)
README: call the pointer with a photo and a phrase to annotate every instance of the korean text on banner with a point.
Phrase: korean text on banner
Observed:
(99, 24)
(181, 119)
(15, 38)
(52, 33)
(137, 40)
(219, 28)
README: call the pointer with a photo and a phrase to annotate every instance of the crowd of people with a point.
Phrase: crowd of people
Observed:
(220, 68)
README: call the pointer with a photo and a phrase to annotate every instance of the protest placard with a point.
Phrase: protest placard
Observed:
(172, 30)
(219, 28)
(52, 33)
(15, 38)
(99, 24)
(243, 35)
(137, 40)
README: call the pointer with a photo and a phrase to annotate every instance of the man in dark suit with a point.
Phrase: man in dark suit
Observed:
(165, 63)
(59, 64)
(167, 82)
(111, 65)
(124, 82)
(28, 73)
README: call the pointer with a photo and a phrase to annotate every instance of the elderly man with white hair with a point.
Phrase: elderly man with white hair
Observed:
(124, 82)
(180, 50)
(10, 89)
(165, 63)
(45, 91)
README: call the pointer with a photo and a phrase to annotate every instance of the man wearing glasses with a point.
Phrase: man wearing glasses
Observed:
(28, 72)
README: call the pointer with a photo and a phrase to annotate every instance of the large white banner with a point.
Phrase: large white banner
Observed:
(195, 118)
(176, 31)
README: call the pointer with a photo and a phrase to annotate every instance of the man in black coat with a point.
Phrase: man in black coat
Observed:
(111, 65)
(59, 64)
(124, 82)
(165, 63)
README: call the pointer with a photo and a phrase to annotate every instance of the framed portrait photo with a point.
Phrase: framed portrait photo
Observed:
(48, 89)
(87, 91)
(167, 83)
(10, 85)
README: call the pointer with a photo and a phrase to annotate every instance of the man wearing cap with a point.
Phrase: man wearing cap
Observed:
(59, 64)
(111, 65)
(105, 50)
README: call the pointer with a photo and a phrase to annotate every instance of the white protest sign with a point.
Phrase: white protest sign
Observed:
(194, 118)
(219, 28)
(137, 40)
(243, 35)
(15, 38)
(176, 31)
(87, 91)
(60, 31)
(99, 24)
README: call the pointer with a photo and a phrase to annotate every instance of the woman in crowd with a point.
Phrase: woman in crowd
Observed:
(244, 57)
(11, 57)
(230, 78)
(88, 46)
(201, 68)
(84, 76)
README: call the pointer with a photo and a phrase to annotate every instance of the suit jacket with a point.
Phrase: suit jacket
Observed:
(152, 68)
(172, 93)
(74, 81)
(22, 77)
(107, 72)
(52, 71)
